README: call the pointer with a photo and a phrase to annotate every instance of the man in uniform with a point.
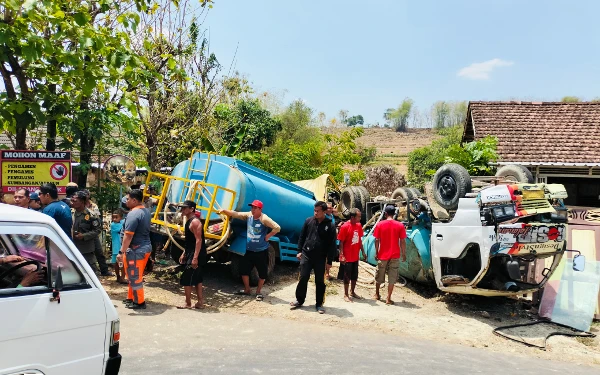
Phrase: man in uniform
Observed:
(86, 228)
(135, 248)
(100, 257)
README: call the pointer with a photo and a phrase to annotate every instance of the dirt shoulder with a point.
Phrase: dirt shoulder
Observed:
(419, 311)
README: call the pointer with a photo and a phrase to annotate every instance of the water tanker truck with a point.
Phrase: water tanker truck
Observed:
(217, 182)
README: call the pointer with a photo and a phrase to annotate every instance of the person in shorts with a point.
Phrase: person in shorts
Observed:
(390, 246)
(257, 245)
(194, 256)
(350, 237)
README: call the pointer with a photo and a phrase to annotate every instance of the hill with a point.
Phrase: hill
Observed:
(393, 147)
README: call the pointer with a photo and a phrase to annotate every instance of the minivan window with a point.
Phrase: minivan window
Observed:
(33, 250)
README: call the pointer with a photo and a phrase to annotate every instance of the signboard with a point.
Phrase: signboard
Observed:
(534, 238)
(31, 169)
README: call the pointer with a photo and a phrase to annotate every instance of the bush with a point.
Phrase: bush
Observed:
(382, 180)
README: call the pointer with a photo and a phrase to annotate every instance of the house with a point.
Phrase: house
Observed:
(558, 142)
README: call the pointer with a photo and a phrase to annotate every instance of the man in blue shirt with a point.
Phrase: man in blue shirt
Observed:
(56, 209)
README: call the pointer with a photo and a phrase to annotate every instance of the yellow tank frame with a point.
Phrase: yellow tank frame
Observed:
(200, 189)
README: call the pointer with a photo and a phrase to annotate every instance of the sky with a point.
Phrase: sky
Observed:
(366, 56)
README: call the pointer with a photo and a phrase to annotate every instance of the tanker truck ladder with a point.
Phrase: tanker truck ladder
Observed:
(204, 194)
(287, 249)
(202, 172)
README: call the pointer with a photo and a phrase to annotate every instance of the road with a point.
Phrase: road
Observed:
(163, 340)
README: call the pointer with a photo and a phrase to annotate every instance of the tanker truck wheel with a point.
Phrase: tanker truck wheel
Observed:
(349, 199)
(515, 172)
(365, 197)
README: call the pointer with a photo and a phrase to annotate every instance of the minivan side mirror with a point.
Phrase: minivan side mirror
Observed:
(579, 263)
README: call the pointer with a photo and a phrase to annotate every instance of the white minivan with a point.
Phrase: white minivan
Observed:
(63, 322)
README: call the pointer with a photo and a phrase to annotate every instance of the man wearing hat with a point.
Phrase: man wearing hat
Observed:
(390, 246)
(86, 228)
(257, 244)
(34, 202)
(194, 256)
(70, 190)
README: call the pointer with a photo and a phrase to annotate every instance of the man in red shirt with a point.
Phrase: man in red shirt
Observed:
(390, 244)
(350, 237)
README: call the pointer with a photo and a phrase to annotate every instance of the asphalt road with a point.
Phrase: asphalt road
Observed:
(164, 340)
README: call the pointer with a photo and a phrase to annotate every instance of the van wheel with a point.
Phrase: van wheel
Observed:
(351, 198)
(450, 183)
(416, 193)
(365, 197)
(516, 172)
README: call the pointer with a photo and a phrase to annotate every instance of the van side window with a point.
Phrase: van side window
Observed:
(24, 263)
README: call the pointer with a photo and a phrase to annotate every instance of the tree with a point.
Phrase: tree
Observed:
(440, 113)
(343, 113)
(458, 112)
(570, 99)
(322, 118)
(53, 60)
(355, 120)
(297, 123)
(398, 118)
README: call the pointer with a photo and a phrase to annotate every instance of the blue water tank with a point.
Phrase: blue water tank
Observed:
(286, 203)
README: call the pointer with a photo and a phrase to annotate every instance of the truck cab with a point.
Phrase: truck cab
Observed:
(61, 323)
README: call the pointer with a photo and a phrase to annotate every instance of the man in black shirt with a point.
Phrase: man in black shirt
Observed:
(194, 256)
(316, 243)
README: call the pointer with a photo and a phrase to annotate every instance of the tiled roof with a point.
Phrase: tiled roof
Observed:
(538, 132)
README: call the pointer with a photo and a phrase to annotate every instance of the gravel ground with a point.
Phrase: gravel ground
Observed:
(420, 311)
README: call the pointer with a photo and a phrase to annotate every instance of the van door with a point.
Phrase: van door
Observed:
(38, 333)
(458, 247)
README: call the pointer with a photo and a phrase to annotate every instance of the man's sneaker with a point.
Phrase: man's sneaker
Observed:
(127, 300)
(320, 309)
(137, 306)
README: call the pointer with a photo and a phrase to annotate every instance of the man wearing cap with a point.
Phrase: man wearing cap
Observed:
(34, 202)
(56, 209)
(135, 248)
(194, 256)
(86, 228)
(70, 190)
(21, 198)
(257, 244)
(390, 245)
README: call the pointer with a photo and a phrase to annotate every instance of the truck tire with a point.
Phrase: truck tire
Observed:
(365, 197)
(450, 183)
(351, 198)
(358, 201)
(516, 172)
(416, 193)
(235, 266)
(403, 193)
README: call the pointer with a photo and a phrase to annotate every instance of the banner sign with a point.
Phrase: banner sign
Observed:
(31, 169)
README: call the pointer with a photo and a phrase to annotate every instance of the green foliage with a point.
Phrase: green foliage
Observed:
(355, 120)
(331, 154)
(424, 161)
(398, 117)
(570, 99)
(58, 58)
(108, 196)
(247, 127)
(475, 156)
(296, 123)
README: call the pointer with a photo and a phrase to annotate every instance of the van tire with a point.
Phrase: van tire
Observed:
(416, 193)
(516, 172)
(450, 183)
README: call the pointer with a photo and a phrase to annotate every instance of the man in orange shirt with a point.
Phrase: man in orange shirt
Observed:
(390, 246)
(350, 237)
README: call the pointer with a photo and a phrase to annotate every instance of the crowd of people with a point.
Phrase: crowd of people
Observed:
(320, 242)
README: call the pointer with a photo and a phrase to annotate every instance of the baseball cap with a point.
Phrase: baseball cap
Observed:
(390, 210)
(256, 203)
(34, 196)
(81, 195)
(190, 204)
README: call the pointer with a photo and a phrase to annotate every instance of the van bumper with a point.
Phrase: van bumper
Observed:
(113, 364)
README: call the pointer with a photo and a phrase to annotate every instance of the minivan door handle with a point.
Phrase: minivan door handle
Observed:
(439, 237)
